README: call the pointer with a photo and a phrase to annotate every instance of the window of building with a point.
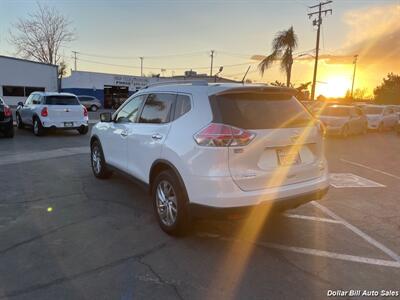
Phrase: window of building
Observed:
(20, 91)
(29, 90)
(157, 108)
(13, 91)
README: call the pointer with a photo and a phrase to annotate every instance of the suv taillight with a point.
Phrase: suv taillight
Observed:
(85, 112)
(7, 111)
(221, 135)
(44, 112)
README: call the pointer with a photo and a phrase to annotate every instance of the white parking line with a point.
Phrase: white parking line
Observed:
(309, 251)
(33, 156)
(350, 180)
(357, 231)
(294, 216)
(369, 168)
(328, 254)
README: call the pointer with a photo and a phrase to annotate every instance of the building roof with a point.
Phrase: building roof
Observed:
(27, 60)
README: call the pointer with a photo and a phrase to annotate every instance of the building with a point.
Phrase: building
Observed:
(20, 77)
(110, 89)
(113, 89)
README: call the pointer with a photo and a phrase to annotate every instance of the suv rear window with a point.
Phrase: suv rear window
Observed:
(61, 100)
(251, 110)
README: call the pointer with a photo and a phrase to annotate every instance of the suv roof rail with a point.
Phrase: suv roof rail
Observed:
(192, 82)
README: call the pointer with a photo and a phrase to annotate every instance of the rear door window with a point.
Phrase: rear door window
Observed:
(252, 110)
(157, 109)
(182, 106)
(61, 100)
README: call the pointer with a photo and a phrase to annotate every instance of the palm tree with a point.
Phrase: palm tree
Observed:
(283, 45)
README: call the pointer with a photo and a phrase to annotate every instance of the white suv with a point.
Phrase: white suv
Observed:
(52, 110)
(210, 148)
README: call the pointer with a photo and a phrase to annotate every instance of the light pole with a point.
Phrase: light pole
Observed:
(354, 74)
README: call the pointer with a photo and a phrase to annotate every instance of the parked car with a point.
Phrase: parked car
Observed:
(209, 150)
(343, 120)
(380, 117)
(6, 120)
(396, 109)
(44, 111)
(91, 103)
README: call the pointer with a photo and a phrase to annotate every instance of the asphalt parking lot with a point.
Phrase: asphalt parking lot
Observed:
(66, 235)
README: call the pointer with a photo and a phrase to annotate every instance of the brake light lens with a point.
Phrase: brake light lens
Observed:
(221, 135)
(85, 112)
(44, 112)
(7, 111)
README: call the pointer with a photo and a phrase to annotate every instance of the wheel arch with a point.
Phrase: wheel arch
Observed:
(161, 165)
(94, 138)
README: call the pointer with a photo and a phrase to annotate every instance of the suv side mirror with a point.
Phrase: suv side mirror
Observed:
(20, 104)
(106, 117)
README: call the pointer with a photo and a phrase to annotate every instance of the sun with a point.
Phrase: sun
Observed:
(335, 86)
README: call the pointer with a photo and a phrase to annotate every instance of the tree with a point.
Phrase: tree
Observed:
(388, 92)
(62, 71)
(41, 36)
(283, 45)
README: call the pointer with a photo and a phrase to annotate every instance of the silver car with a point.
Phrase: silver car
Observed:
(90, 102)
(343, 120)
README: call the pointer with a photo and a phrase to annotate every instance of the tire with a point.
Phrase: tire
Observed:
(38, 129)
(97, 161)
(83, 130)
(345, 131)
(20, 124)
(172, 215)
(9, 133)
(94, 108)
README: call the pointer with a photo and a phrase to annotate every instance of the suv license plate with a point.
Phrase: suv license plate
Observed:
(68, 124)
(287, 157)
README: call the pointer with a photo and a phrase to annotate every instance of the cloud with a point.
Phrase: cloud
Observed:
(375, 35)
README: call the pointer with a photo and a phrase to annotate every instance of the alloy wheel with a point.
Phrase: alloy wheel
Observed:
(96, 160)
(166, 202)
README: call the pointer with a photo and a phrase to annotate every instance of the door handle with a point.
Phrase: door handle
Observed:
(156, 136)
(124, 133)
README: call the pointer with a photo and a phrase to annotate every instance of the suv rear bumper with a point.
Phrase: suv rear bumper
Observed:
(222, 192)
(210, 212)
(60, 125)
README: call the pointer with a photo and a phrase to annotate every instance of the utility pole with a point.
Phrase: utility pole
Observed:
(141, 66)
(212, 61)
(75, 58)
(317, 22)
(354, 74)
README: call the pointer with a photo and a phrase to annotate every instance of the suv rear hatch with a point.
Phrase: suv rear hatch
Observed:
(64, 108)
(287, 147)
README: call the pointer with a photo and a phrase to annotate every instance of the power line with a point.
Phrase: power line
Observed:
(147, 57)
(159, 68)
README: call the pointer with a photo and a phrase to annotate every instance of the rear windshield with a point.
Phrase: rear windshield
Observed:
(260, 111)
(372, 110)
(61, 100)
(335, 111)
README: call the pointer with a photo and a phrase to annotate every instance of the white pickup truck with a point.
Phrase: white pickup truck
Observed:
(44, 110)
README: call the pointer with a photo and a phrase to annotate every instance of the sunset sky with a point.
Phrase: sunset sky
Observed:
(178, 35)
